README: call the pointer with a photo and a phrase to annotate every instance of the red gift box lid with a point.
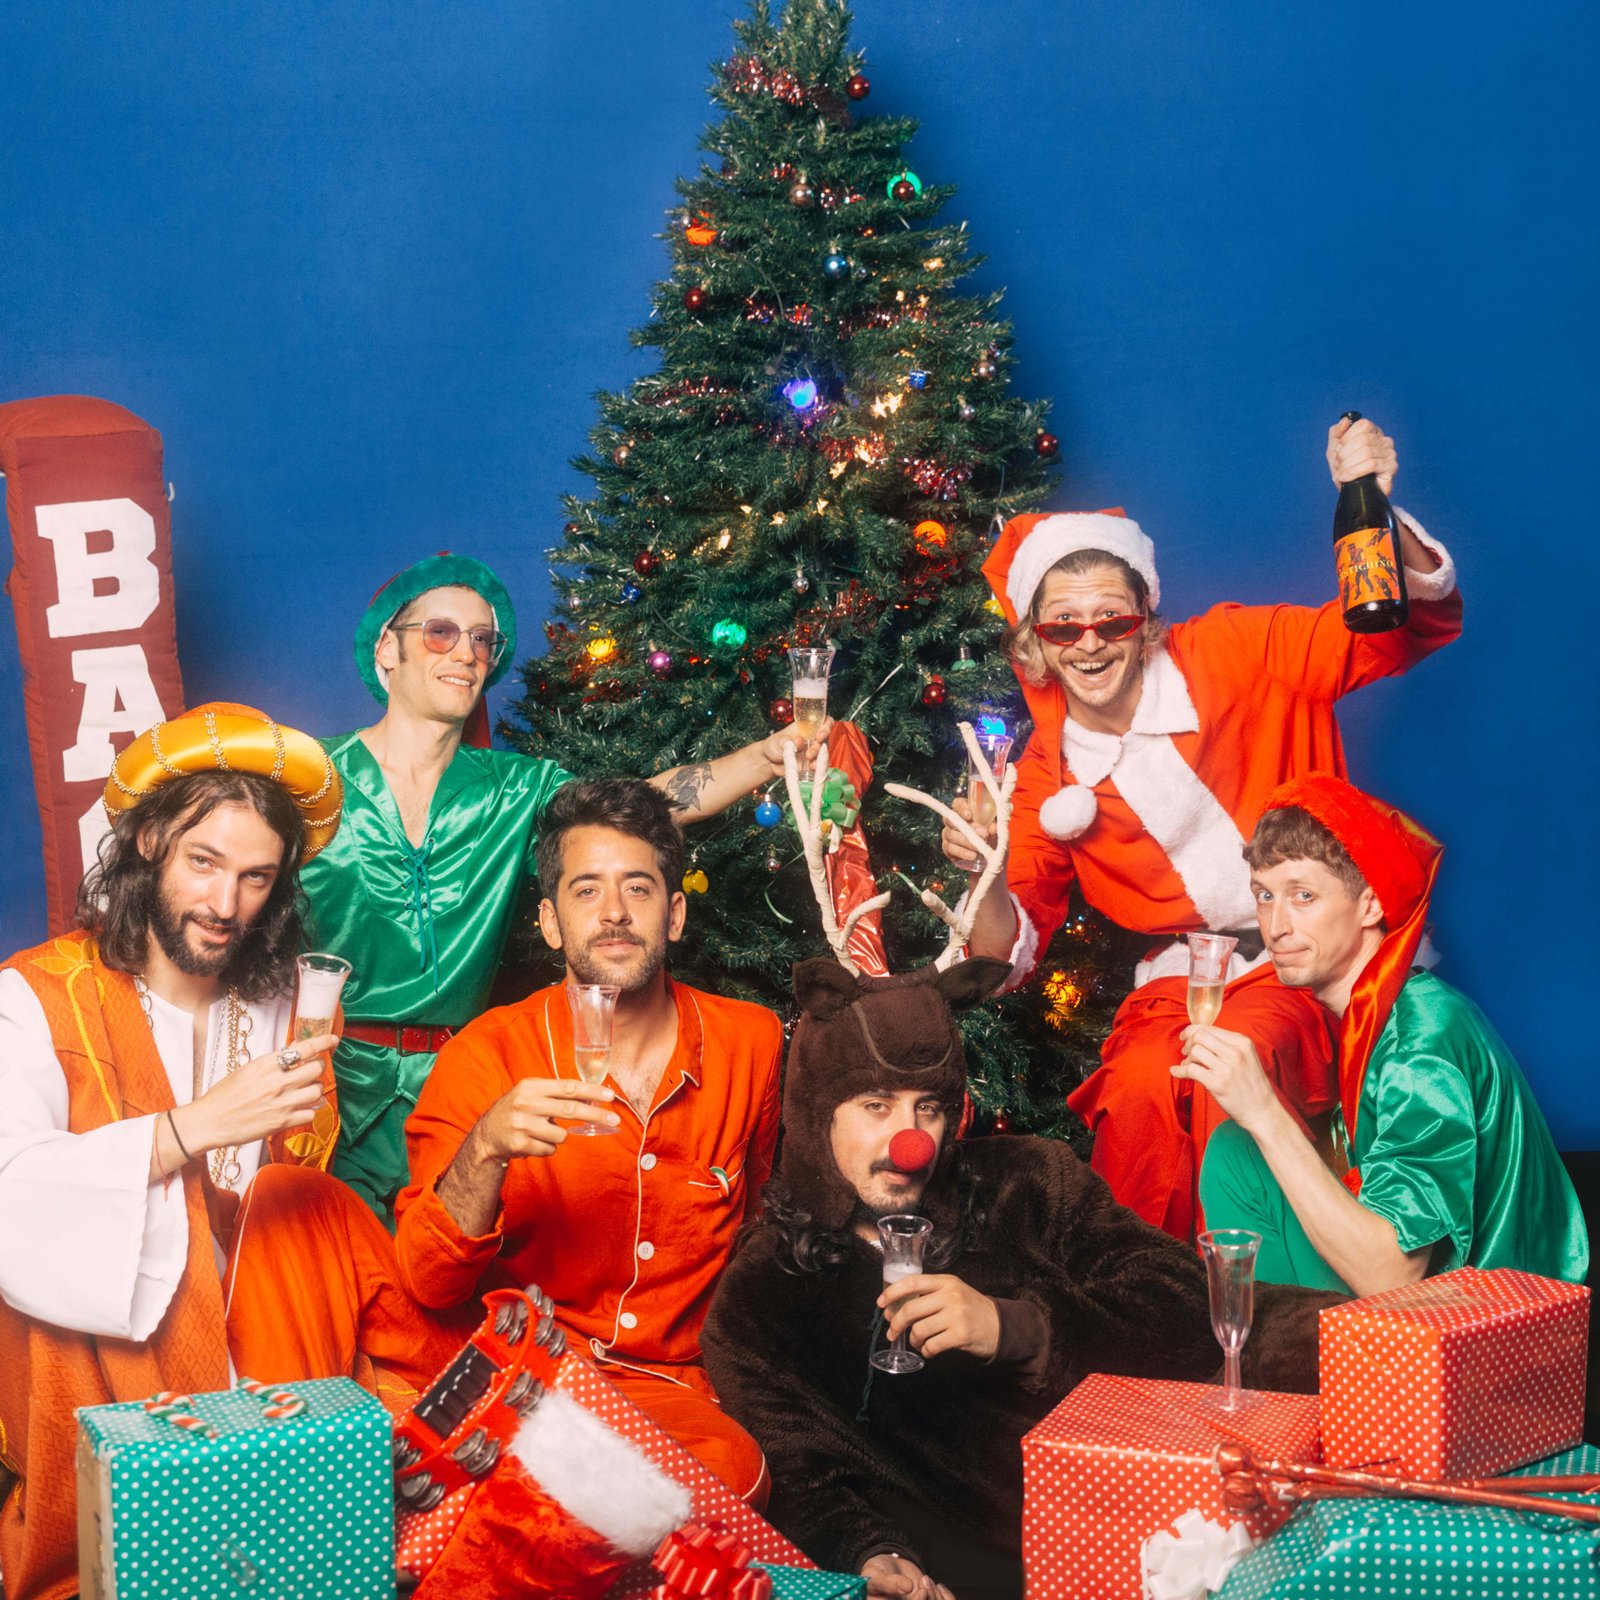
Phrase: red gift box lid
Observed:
(1469, 1297)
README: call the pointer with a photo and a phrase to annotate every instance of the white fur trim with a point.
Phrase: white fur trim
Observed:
(597, 1476)
(1180, 813)
(1024, 950)
(1172, 961)
(1441, 581)
(1069, 531)
(1068, 812)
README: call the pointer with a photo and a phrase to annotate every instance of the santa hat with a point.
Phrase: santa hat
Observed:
(1027, 549)
(445, 570)
(1400, 861)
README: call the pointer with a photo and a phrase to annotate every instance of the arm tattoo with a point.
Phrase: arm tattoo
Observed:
(686, 784)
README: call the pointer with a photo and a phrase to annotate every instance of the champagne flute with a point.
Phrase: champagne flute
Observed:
(1230, 1255)
(319, 981)
(811, 666)
(904, 1237)
(996, 748)
(594, 1012)
(1208, 975)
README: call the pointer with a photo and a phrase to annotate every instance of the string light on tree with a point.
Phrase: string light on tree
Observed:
(964, 661)
(601, 649)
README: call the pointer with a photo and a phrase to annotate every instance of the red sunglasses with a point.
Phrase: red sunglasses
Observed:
(1109, 628)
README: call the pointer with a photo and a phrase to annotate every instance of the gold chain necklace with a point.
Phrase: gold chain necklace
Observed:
(237, 1023)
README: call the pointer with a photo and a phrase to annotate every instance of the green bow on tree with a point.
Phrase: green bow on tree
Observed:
(841, 805)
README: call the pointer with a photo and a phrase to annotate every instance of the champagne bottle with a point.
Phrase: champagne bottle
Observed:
(1366, 548)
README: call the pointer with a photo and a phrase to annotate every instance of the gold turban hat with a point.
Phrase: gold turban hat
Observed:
(221, 737)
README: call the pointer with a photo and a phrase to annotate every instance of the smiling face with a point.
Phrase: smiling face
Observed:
(1318, 932)
(214, 883)
(863, 1127)
(437, 687)
(1102, 680)
(612, 915)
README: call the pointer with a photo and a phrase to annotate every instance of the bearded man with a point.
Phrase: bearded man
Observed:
(628, 1233)
(165, 1222)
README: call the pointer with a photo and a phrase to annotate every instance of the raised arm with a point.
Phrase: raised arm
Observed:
(705, 788)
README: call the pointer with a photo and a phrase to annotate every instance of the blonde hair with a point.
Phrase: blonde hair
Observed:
(1022, 644)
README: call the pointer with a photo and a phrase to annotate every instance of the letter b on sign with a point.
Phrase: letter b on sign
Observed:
(113, 590)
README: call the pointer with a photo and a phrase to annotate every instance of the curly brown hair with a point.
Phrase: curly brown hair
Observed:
(1021, 643)
(121, 893)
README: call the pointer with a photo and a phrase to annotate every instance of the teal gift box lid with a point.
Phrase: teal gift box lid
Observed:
(806, 1583)
(238, 1499)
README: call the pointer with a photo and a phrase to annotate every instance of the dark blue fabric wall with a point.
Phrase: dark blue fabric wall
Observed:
(364, 266)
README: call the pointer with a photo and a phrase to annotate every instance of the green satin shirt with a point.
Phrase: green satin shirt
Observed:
(423, 927)
(1453, 1149)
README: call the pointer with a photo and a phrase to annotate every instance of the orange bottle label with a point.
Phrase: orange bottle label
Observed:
(1367, 571)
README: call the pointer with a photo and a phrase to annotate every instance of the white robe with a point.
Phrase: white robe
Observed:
(87, 1241)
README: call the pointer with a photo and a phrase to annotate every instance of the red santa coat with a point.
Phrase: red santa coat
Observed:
(1152, 824)
(1234, 703)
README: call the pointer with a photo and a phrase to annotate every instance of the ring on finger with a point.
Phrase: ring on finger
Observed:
(288, 1057)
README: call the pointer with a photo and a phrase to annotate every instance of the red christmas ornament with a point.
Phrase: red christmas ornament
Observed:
(904, 191)
(571, 529)
(646, 562)
(858, 88)
(1047, 444)
(1002, 1123)
(933, 691)
(912, 1150)
(694, 298)
(782, 712)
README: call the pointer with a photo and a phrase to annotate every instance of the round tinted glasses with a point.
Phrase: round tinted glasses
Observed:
(440, 637)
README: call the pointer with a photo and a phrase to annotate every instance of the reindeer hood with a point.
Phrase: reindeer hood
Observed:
(856, 1034)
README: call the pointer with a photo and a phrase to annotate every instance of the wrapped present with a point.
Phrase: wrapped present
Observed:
(1121, 1495)
(1461, 1375)
(1418, 1550)
(796, 1583)
(280, 1492)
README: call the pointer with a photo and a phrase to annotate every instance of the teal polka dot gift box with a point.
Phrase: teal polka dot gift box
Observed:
(284, 1494)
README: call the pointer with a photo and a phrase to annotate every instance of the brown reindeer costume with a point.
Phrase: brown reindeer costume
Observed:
(928, 1464)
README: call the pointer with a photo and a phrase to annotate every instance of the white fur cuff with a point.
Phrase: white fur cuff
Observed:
(1439, 583)
(599, 1477)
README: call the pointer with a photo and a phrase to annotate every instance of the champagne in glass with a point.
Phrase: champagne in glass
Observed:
(996, 748)
(1230, 1255)
(810, 693)
(594, 1012)
(319, 981)
(1208, 974)
(904, 1238)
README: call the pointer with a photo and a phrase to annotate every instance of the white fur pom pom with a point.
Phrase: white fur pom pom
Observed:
(1068, 811)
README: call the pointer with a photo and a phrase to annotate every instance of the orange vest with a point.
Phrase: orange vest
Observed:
(109, 1058)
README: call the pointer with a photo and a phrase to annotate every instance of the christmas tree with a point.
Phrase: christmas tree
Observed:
(823, 456)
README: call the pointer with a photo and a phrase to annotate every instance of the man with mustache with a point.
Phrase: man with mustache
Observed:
(629, 1233)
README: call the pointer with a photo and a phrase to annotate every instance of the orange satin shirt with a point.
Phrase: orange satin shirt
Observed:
(627, 1233)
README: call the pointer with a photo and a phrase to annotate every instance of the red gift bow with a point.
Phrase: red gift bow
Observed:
(698, 1563)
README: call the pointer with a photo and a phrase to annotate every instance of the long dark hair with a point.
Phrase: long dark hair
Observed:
(122, 891)
(805, 1246)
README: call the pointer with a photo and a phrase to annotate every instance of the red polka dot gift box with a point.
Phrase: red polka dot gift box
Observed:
(1121, 1494)
(1458, 1376)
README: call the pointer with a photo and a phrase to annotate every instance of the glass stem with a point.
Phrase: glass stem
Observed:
(1231, 1378)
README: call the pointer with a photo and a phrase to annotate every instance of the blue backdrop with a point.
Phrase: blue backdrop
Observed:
(365, 265)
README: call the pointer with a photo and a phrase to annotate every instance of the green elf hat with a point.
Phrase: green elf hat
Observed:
(443, 571)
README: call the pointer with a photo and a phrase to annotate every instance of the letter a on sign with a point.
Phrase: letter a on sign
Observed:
(91, 586)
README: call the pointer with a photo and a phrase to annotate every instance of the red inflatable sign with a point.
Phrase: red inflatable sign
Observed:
(91, 585)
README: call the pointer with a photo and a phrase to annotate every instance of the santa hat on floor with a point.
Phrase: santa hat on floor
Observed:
(1400, 861)
(1027, 549)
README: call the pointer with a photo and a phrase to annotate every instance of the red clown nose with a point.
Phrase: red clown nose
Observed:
(912, 1149)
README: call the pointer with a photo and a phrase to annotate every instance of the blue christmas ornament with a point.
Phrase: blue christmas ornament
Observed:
(769, 814)
(917, 378)
(990, 728)
(801, 393)
(836, 265)
(630, 593)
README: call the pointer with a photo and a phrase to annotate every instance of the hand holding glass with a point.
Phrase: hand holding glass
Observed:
(810, 693)
(996, 748)
(1208, 974)
(1230, 1255)
(594, 1013)
(903, 1240)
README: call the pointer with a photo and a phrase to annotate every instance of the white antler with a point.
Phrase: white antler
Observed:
(809, 822)
(994, 855)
